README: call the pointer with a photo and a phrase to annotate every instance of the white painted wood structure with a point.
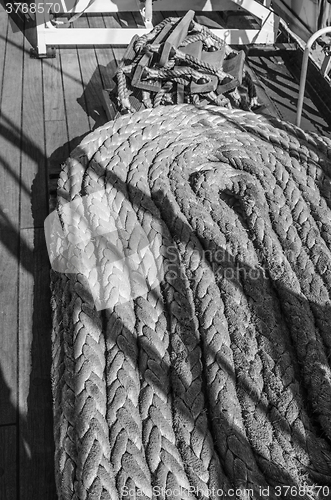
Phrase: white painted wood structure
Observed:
(49, 35)
(304, 17)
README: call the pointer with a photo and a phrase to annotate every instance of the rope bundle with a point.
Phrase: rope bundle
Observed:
(215, 381)
(167, 79)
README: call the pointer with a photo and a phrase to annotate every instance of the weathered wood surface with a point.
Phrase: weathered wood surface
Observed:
(10, 156)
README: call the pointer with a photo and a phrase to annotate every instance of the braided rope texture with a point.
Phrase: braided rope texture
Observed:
(215, 382)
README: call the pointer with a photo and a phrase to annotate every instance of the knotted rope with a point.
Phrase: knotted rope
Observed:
(149, 75)
(215, 377)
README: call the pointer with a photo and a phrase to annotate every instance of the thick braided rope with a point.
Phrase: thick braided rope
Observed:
(203, 468)
(207, 33)
(166, 74)
(142, 40)
(216, 376)
(201, 65)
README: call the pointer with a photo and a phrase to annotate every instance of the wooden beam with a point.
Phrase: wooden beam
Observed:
(33, 172)
(270, 50)
(50, 36)
(10, 186)
(91, 98)
(104, 36)
(77, 120)
(159, 5)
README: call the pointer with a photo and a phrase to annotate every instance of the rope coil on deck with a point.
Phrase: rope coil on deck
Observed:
(215, 376)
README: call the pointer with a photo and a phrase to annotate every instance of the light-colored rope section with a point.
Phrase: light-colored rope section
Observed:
(191, 310)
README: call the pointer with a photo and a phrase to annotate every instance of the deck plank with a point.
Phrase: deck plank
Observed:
(3, 35)
(283, 90)
(34, 176)
(127, 20)
(10, 136)
(53, 89)
(268, 106)
(56, 131)
(8, 482)
(139, 20)
(57, 147)
(105, 55)
(36, 445)
(36, 434)
(91, 99)
(114, 22)
(77, 120)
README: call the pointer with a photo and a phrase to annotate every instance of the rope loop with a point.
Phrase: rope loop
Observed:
(191, 296)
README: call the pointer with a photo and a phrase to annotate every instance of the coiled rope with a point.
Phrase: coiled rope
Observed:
(215, 382)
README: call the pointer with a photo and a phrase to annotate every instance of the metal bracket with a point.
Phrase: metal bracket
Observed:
(49, 54)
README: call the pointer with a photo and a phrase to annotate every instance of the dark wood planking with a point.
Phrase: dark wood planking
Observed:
(111, 20)
(3, 36)
(36, 462)
(157, 17)
(10, 124)
(9, 248)
(105, 55)
(56, 132)
(168, 13)
(91, 99)
(317, 88)
(209, 19)
(283, 90)
(139, 20)
(7, 411)
(8, 478)
(34, 175)
(36, 445)
(77, 120)
(57, 147)
(10, 137)
(127, 20)
(114, 22)
(263, 98)
(53, 89)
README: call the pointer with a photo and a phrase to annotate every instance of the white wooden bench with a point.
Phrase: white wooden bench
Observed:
(49, 35)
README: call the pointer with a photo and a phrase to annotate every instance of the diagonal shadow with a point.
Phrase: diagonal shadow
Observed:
(318, 469)
(33, 470)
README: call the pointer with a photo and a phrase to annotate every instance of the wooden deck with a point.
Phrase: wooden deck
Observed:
(47, 106)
